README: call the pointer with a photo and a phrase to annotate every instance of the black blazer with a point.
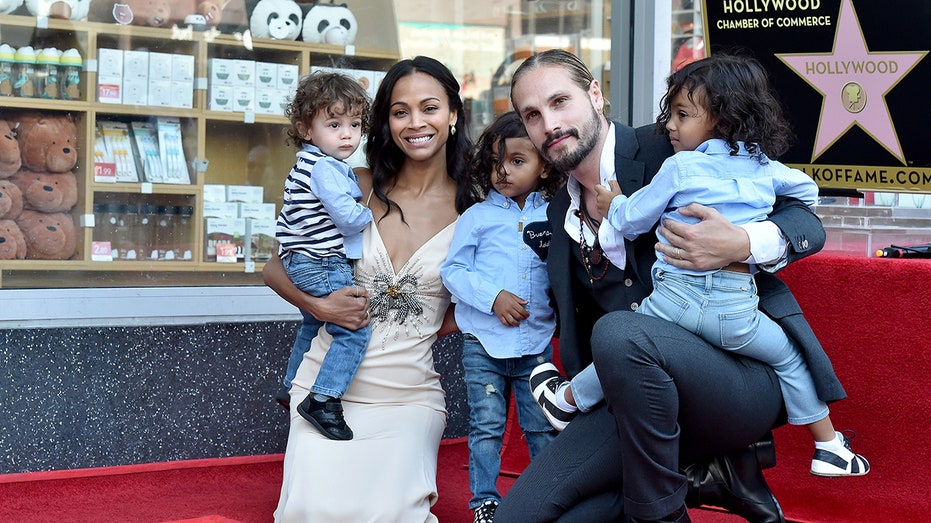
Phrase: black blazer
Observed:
(638, 155)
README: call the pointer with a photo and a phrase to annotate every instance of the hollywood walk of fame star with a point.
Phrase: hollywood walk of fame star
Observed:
(854, 82)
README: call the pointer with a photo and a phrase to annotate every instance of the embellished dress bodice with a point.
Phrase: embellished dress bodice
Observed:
(407, 305)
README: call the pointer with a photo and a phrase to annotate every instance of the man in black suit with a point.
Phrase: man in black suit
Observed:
(683, 423)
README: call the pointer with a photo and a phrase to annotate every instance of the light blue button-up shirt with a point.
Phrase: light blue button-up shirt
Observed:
(321, 215)
(499, 246)
(741, 187)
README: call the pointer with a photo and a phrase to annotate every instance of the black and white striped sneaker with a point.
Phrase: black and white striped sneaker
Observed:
(843, 462)
(544, 381)
(485, 513)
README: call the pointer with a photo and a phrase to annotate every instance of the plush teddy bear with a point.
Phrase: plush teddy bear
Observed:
(47, 192)
(64, 9)
(212, 10)
(153, 13)
(12, 241)
(329, 24)
(10, 155)
(47, 141)
(49, 236)
(11, 200)
(278, 19)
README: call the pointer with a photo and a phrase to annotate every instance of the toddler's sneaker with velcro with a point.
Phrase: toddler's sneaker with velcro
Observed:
(839, 462)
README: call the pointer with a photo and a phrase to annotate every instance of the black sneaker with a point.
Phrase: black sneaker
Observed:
(486, 512)
(327, 416)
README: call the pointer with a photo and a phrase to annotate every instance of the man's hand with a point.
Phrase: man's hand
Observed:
(510, 309)
(712, 243)
(605, 196)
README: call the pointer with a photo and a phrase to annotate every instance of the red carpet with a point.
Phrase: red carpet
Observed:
(872, 315)
(232, 490)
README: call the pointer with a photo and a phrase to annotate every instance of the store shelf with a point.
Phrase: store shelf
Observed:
(220, 147)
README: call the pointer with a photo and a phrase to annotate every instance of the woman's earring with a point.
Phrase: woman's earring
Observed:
(452, 130)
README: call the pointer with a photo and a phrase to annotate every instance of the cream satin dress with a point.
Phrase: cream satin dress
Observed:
(395, 405)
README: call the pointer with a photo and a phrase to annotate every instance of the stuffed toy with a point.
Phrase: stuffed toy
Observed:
(12, 241)
(10, 159)
(64, 9)
(152, 13)
(329, 24)
(11, 200)
(211, 10)
(8, 6)
(278, 19)
(48, 236)
(47, 192)
(47, 141)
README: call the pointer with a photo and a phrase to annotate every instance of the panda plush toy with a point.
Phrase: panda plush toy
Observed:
(329, 24)
(278, 19)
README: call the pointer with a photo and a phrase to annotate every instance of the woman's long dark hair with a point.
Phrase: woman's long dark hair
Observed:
(385, 158)
(735, 90)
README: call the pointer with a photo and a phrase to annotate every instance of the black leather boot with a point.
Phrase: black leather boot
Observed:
(735, 482)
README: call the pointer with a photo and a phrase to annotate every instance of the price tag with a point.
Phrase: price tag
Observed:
(105, 172)
(101, 251)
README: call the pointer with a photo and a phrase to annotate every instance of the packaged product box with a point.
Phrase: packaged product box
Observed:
(262, 242)
(160, 66)
(214, 192)
(182, 68)
(224, 239)
(135, 77)
(266, 75)
(160, 93)
(220, 72)
(243, 99)
(245, 193)
(257, 211)
(266, 102)
(244, 73)
(109, 76)
(220, 98)
(182, 94)
(287, 76)
(226, 210)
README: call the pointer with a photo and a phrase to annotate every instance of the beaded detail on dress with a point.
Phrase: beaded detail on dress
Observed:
(400, 296)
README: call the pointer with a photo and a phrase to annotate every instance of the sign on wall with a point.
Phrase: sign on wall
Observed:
(854, 76)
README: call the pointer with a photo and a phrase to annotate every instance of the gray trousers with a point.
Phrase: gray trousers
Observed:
(671, 399)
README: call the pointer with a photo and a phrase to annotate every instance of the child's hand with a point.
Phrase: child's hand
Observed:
(510, 309)
(605, 196)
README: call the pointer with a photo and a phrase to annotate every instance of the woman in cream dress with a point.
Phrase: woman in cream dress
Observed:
(395, 404)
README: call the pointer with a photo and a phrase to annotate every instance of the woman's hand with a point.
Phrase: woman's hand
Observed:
(346, 307)
(712, 243)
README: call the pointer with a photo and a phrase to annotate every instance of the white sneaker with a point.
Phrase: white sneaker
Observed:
(544, 381)
(838, 463)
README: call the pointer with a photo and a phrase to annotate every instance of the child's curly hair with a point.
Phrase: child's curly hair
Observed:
(735, 91)
(329, 91)
(508, 125)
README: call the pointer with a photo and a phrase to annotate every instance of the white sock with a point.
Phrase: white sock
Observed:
(561, 399)
(835, 444)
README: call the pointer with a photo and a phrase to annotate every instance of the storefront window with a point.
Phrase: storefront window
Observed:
(178, 156)
(483, 42)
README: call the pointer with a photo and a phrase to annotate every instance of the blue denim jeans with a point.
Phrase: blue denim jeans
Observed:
(722, 308)
(489, 383)
(320, 278)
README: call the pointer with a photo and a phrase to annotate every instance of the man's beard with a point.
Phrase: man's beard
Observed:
(587, 137)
